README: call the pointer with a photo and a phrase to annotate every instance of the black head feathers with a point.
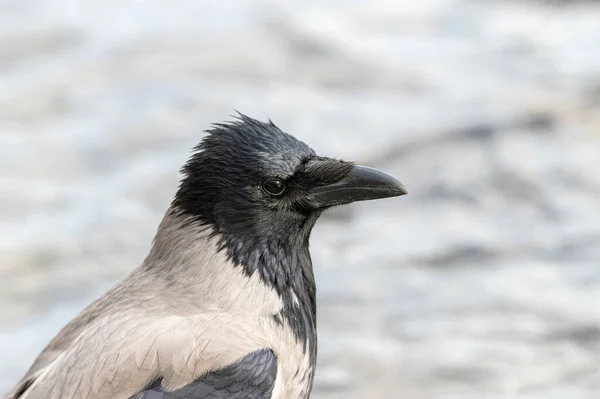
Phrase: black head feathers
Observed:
(224, 180)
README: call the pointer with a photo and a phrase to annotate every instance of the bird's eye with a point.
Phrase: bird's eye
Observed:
(274, 186)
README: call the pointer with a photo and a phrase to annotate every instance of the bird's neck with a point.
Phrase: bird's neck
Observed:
(283, 262)
(289, 271)
(186, 253)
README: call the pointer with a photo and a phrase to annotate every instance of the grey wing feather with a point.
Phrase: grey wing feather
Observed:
(252, 377)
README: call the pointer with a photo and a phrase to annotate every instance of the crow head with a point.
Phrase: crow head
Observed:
(248, 177)
(261, 190)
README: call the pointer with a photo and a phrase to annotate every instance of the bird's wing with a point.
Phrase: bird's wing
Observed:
(252, 377)
(59, 344)
(44, 359)
(121, 358)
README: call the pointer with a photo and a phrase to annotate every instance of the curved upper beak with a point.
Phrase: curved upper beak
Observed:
(361, 184)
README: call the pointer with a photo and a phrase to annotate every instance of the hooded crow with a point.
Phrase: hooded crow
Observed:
(224, 304)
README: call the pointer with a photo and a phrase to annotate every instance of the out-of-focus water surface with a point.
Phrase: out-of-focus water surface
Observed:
(483, 283)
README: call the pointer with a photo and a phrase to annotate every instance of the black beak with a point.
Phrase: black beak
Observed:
(361, 184)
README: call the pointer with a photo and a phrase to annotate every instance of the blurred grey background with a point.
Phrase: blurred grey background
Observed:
(483, 283)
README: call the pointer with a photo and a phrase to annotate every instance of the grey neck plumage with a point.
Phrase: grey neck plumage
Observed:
(205, 270)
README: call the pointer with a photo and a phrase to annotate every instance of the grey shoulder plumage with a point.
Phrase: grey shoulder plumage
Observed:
(224, 304)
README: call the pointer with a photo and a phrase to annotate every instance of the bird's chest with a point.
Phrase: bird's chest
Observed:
(294, 345)
(295, 371)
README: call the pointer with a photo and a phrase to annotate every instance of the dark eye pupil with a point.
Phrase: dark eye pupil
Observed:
(274, 186)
